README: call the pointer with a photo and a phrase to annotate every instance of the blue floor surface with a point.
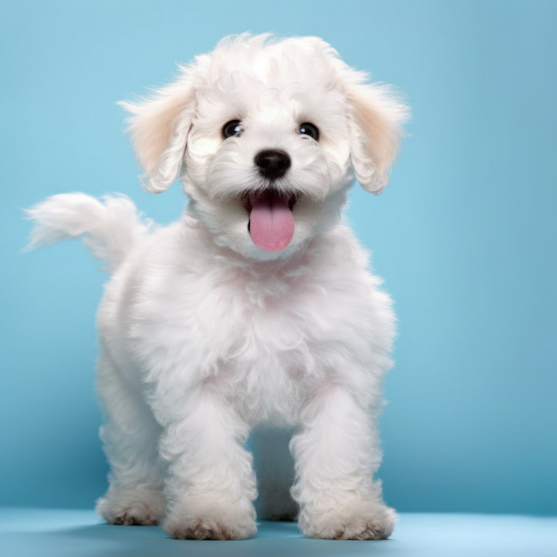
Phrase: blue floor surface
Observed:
(77, 533)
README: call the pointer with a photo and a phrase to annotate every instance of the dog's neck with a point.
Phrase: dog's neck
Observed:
(288, 266)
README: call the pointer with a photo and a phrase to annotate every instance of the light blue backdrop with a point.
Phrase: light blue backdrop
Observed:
(465, 234)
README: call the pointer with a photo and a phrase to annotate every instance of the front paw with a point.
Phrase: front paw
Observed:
(359, 520)
(211, 519)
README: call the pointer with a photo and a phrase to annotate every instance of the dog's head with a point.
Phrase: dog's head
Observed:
(266, 137)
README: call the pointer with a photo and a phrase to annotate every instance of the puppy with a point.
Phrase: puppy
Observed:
(255, 313)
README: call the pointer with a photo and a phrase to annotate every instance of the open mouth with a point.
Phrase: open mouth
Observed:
(271, 224)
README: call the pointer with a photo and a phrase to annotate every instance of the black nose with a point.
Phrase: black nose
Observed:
(272, 163)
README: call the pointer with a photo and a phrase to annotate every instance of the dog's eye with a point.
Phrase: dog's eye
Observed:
(232, 129)
(309, 129)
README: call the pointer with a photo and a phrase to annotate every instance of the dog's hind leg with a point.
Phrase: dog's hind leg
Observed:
(275, 474)
(130, 436)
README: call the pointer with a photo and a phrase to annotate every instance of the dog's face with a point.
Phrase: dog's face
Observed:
(267, 137)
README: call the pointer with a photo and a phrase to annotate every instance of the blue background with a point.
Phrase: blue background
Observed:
(465, 234)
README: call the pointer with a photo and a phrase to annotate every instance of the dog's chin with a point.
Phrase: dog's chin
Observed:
(255, 253)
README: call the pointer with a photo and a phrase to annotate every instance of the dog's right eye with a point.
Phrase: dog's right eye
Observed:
(232, 129)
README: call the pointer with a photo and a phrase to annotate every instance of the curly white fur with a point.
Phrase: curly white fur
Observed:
(205, 337)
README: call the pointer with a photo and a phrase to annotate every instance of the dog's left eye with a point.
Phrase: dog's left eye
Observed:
(309, 129)
(232, 129)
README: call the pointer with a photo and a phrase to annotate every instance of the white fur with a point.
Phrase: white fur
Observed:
(205, 337)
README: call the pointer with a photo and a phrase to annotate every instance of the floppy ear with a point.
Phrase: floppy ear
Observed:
(159, 127)
(375, 127)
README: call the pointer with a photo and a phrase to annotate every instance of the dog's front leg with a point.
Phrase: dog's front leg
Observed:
(210, 485)
(336, 454)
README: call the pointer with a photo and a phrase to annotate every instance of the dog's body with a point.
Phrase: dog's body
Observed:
(212, 327)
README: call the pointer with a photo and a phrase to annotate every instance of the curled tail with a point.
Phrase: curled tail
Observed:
(110, 227)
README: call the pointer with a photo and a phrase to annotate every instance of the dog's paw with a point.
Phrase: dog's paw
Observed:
(131, 507)
(196, 520)
(277, 506)
(359, 520)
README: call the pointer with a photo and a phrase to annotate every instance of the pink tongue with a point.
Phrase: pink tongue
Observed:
(271, 222)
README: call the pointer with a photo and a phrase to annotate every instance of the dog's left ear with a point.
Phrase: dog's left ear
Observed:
(159, 127)
(375, 127)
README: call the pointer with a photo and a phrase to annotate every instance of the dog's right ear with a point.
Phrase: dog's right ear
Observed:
(159, 127)
(375, 124)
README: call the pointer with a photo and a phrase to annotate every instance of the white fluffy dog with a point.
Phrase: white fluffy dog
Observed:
(255, 312)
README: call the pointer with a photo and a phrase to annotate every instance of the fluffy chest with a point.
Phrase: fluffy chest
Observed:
(270, 333)
(217, 319)
(253, 336)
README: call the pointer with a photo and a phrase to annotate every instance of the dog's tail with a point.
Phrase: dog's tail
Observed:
(110, 227)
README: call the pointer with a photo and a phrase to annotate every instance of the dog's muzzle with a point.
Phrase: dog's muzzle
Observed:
(271, 223)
